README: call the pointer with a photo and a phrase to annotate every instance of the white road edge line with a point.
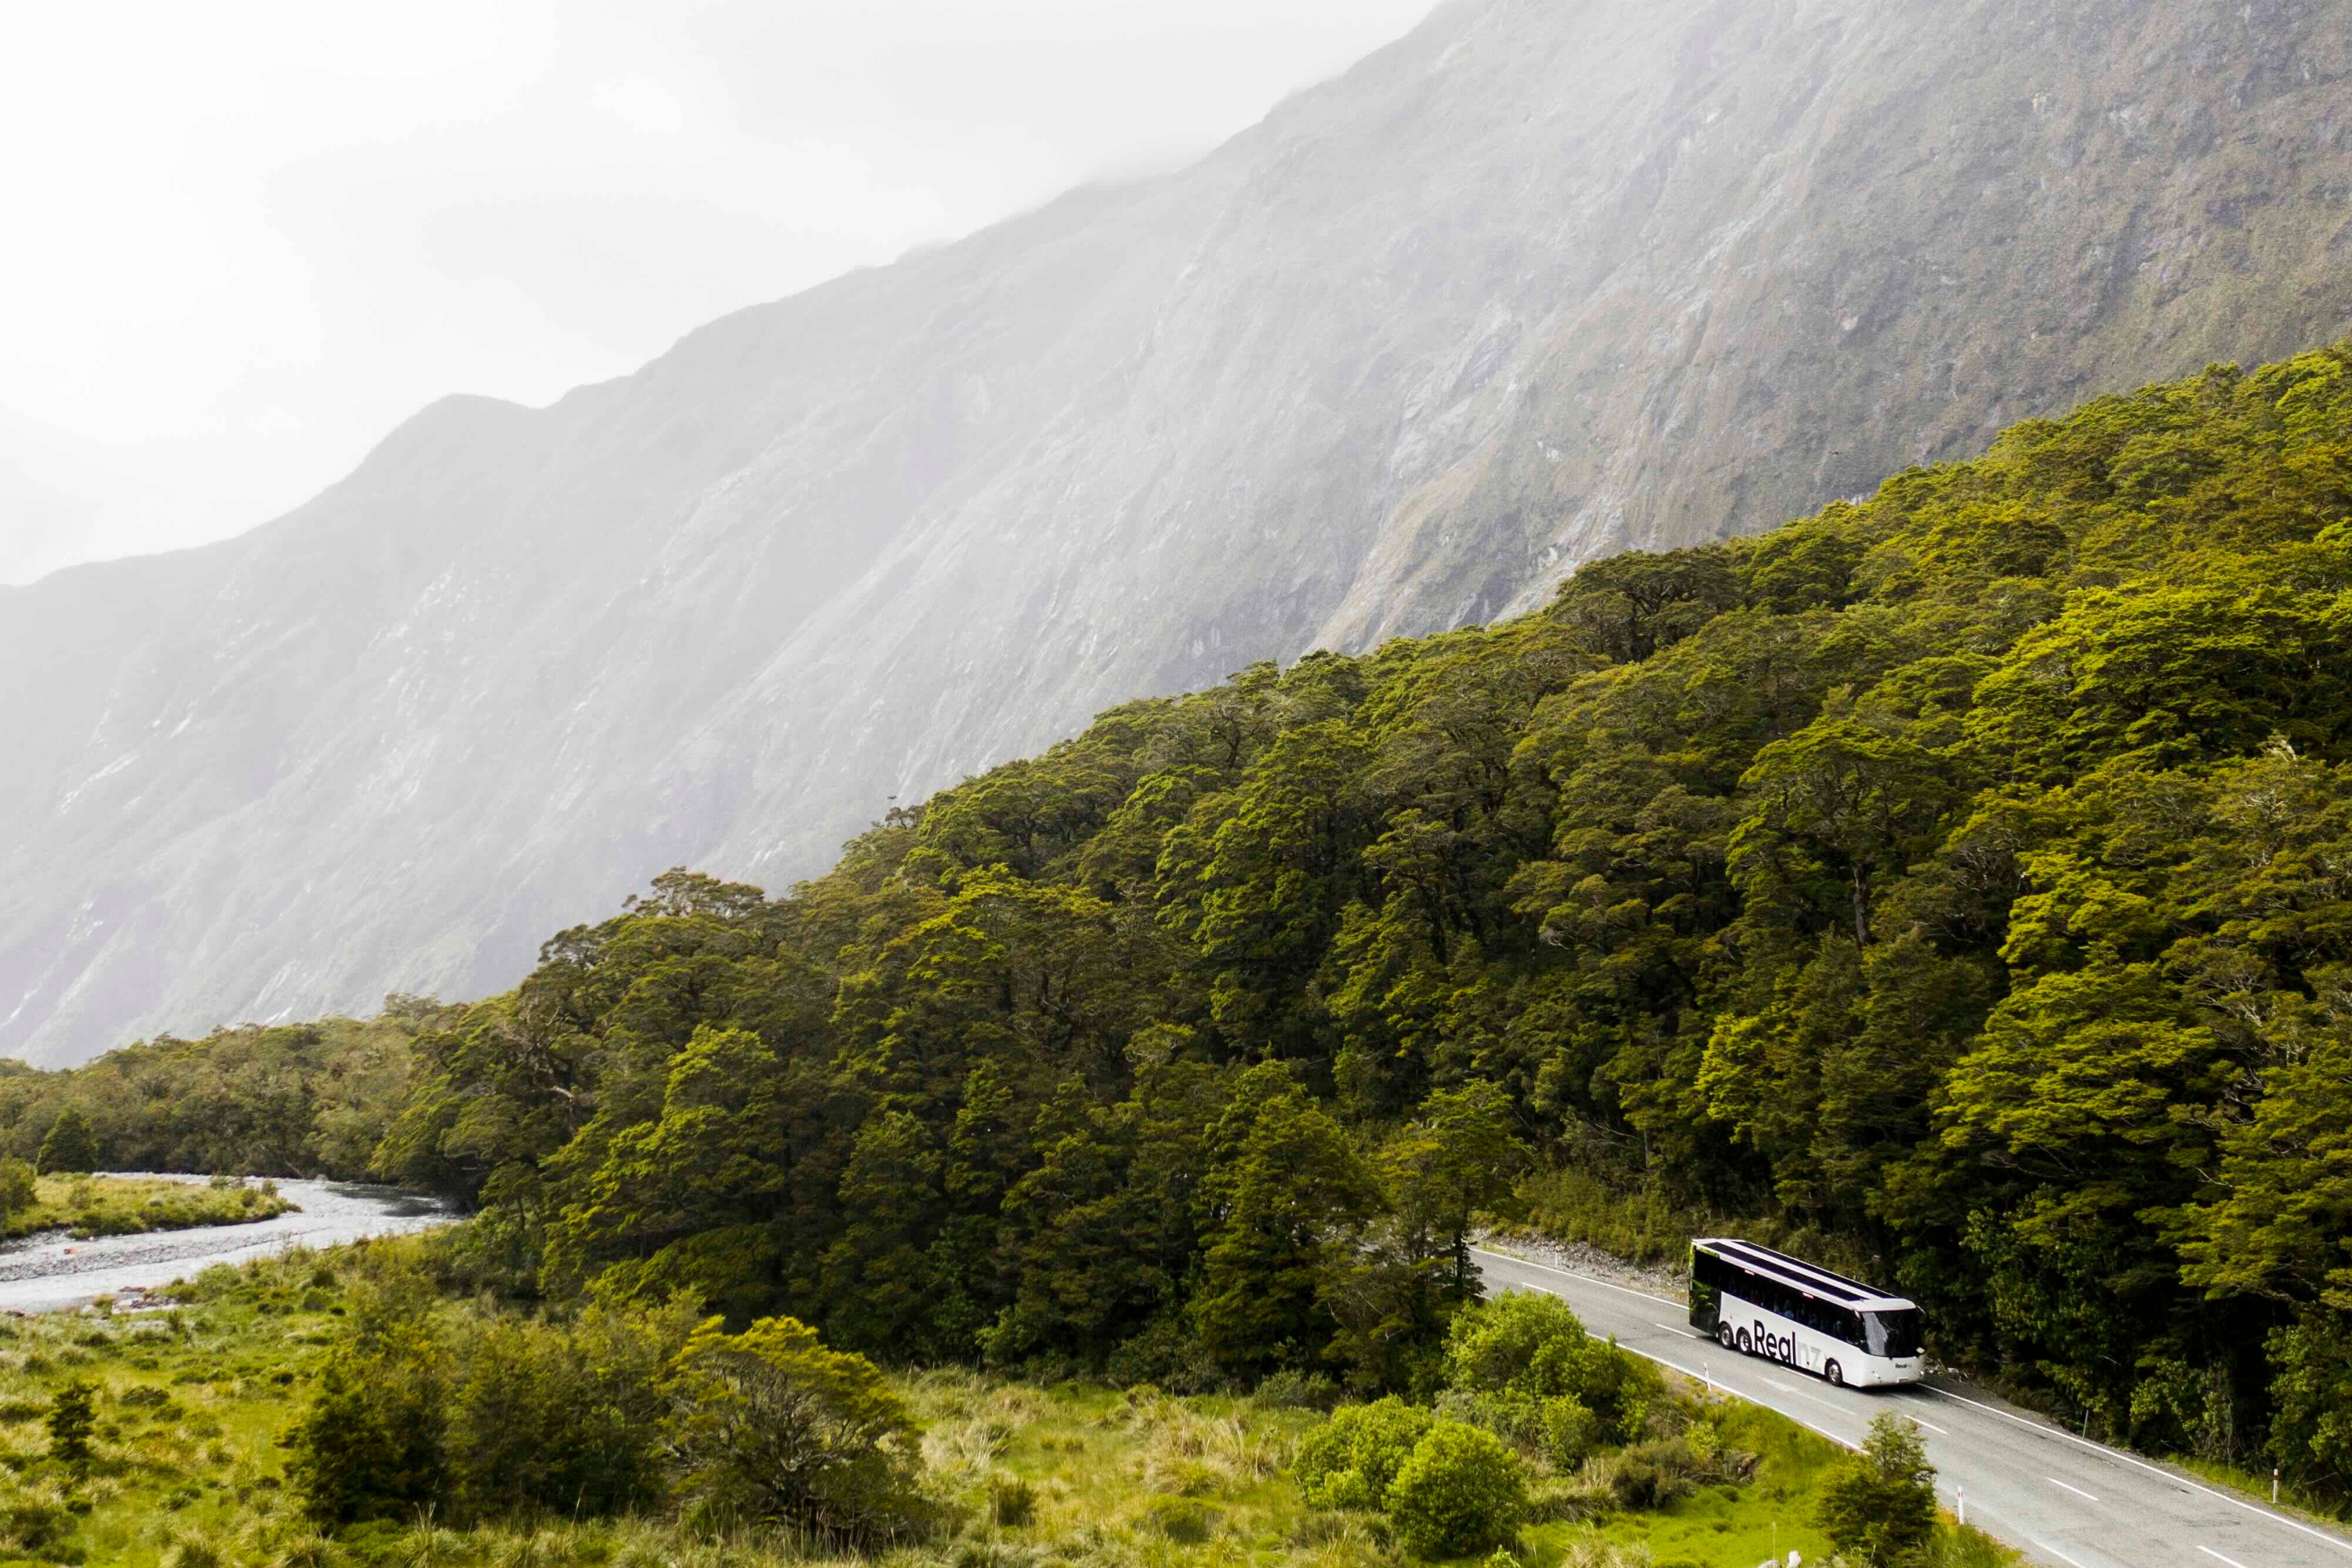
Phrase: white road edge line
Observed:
(2062, 1487)
(1570, 1273)
(2232, 1562)
(2337, 1541)
(2045, 1546)
(1823, 1431)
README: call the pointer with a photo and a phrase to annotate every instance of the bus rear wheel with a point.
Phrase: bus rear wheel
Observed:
(1744, 1345)
(1723, 1335)
(1835, 1373)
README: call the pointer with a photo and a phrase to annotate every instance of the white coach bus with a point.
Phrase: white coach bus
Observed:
(1761, 1303)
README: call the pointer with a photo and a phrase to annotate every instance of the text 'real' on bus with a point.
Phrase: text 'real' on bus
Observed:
(1761, 1302)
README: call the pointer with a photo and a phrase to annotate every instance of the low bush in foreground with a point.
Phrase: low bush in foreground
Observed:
(1879, 1505)
(1460, 1491)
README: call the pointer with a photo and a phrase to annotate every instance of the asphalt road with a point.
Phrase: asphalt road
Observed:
(2063, 1501)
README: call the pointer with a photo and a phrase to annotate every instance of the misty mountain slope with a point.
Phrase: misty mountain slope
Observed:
(1538, 283)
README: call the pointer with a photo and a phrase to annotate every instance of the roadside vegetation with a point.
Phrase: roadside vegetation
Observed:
(340, 1408)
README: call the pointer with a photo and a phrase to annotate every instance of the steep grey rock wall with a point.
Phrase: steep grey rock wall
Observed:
(1541, 282)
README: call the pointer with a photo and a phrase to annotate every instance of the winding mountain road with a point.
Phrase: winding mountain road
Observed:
(2066, 1502)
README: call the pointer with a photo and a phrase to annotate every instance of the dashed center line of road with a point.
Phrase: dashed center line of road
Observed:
(1685, 1333)
(2217, 1557)
(2045, 1546)
(2337, 1541)
(2062, 1487)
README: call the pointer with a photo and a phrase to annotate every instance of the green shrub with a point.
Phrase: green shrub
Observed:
(2310, 1390)
(33, 1518)
(1185, 1521)
(72, 1421)
(1460, 1491)
(768, 1427)
(1349, 1460)
(1559, 1430)
(16, 1188)
(1879, 1506)
(368, 1446)
(1533, 1347)
(1569, 1500)
(1641, 1223)
(1964, 1546)
(1291, 1389)
(193, 1548)
(1653, 1475)
(1012, 1502)
(71, 1145)
(564, 1418)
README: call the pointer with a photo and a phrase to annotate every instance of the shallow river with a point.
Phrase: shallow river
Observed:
(45, 1272)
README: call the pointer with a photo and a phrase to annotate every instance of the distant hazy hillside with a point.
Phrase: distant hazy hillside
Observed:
(1539, 282)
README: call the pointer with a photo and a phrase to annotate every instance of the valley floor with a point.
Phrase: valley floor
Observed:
(188, 1470)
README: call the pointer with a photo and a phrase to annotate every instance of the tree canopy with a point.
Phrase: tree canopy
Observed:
(1957, 877)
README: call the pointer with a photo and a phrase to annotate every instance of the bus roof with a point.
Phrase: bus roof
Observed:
(1805, 1276)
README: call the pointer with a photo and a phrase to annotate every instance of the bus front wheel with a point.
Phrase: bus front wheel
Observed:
(1744, 1345)
(1835, 1373)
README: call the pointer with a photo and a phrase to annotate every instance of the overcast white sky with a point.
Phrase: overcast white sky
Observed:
(246, 238)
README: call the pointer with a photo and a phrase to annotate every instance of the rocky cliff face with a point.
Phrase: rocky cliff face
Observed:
(1543, 281)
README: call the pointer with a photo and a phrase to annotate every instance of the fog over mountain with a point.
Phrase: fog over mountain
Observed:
(1541, 282)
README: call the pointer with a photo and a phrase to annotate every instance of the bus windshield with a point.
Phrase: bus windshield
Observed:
(1895, 1333)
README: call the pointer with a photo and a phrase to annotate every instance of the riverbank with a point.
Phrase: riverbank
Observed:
(56, 1270)
(87, 1205)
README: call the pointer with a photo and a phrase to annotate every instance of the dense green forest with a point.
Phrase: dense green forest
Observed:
(1959, 883)
(301, 1099)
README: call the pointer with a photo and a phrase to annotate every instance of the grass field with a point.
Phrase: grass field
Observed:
(126, 1205)
(1737, 1527)
(186, 1469)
